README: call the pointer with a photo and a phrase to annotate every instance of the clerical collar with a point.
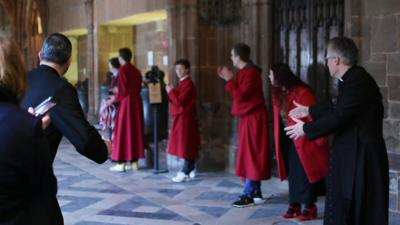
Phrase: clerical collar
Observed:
(184, 78)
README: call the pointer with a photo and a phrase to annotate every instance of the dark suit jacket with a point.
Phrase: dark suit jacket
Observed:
(28, 186)
(67, 116)
(358, 174)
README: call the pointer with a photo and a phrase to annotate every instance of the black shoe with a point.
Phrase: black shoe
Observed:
(243, 201)
(257, 198)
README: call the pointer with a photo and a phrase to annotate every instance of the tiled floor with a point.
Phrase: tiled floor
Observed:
(89, 194)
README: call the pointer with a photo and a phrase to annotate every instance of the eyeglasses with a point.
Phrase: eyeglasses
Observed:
(329, 57)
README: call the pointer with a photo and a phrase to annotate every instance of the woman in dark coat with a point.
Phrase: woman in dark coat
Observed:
(28, 186)
(303, 162)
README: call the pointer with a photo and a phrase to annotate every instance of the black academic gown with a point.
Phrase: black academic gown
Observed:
(357, 184)
(67, 117)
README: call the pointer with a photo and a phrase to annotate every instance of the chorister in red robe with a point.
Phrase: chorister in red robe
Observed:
(128, 142)
(248, 104)
(313, 155)
(184, 139)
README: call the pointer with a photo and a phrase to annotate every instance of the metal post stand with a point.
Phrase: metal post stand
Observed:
(156, 150)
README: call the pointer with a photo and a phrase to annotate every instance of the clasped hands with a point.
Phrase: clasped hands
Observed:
(225, 73)
(169, 88)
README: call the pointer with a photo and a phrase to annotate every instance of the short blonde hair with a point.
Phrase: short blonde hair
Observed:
(12, 68)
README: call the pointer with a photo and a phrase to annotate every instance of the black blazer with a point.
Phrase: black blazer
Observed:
(67, 117)
(358, 172)
(28, 186)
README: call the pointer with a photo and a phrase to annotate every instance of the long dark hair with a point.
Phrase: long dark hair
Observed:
(284, 81)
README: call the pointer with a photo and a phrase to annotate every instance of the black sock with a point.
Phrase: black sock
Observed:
(310, 205)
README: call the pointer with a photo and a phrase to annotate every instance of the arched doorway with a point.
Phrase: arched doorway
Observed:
(302, 29)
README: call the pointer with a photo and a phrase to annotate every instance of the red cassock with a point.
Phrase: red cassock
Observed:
(129, 137)
(314, 155)
(248, 104)
(184, 139)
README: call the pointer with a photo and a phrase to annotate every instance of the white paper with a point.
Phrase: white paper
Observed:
(165, 60)
(150, 58)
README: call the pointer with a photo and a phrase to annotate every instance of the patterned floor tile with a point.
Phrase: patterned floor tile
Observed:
(148, 209)
(168, 192)
(76, 203)
(89, 194)
(94, 223)
(146, 215)
(229, 184)
(218, 196)
(269, 212)
(214, 211)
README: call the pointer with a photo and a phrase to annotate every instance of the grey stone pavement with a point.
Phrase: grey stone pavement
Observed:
(89, 194)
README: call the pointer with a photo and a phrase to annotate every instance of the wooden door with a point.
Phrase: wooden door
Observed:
(302, 29)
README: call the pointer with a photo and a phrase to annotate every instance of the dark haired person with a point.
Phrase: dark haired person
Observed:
(184, 139)
(303, 162)
(67, 116)
(128, 143)
(108, 113)
(248, 104)
(358, 179)
(113, 66)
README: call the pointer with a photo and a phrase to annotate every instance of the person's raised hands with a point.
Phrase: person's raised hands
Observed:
(169, 88)
(225, 73)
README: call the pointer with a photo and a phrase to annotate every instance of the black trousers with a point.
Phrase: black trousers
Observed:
(188, 166)
(300, 189)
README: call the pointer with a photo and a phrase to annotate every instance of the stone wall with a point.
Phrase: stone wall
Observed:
(107, 10)
(376, 28)
(151, 37)
(111, 39)
(66, 15)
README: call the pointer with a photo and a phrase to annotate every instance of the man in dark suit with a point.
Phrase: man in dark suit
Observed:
(67, 116)
(357, 184)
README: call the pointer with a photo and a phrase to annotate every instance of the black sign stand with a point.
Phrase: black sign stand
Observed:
(156, 150)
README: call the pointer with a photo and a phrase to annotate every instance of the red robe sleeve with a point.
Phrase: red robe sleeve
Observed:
(248, 84)
(123, 89)
(181, 96)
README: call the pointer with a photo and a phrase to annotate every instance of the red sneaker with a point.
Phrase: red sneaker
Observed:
(308, 214)
(293, 211)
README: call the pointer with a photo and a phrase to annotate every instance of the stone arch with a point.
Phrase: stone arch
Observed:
(21, 20)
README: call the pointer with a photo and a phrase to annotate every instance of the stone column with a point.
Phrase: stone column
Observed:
(92, 77)
(184, 43)
(256, 30)
(183, 34)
